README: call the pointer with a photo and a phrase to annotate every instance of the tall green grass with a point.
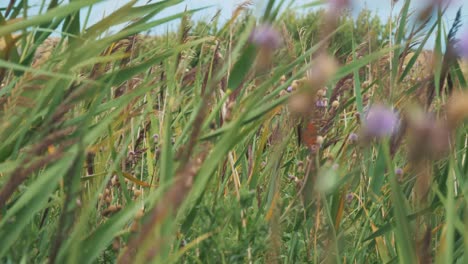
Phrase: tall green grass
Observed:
(123, 147)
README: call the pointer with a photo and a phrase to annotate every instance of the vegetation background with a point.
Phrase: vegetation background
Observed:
(193, 146)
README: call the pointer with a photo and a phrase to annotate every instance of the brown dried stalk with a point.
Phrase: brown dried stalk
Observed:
(168, 205)
(22, 173)
(71, 183)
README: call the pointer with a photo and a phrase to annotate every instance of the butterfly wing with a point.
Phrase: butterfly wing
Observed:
(309, 134)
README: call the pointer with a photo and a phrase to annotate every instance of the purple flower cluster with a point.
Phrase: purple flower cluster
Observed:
(381, 122)
(321, 103)
(266, 36)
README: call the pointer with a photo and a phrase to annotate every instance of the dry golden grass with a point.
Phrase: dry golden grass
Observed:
(425, 64)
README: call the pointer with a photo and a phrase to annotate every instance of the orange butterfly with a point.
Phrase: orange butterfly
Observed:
(308, 134)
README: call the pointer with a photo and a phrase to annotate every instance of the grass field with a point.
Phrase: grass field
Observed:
(273, 139)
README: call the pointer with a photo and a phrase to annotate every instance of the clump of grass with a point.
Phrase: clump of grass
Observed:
(256, 141)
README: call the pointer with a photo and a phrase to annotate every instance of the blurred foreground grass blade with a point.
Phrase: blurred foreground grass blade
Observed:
(121, 75)
(44, 30)
(72, 182)
(267, 14)
(449, 236)
(32, 201)
(377, 177)
(9, 51)
(348, 68)
(206, 172)
(17, 131)
(357, 85)
(72, 24)
(55, 13)
(277, 10)
(138, 28)
(167, 164)
(158, 7)
(96, 47)
(95, 243)
(458, 73)
(404, 239)
(411, 63)
(72, 188)
(71, 250)
(242, 67)
(129, 13)
(399, 37)
(313, 4)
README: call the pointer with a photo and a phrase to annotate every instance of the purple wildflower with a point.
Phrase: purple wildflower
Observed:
(290, 89)
(321, 103)
(155, 137)
(462, 47)
(353, 138)
(349, 197)
(380, 121)
(399, 172)
(266, 36)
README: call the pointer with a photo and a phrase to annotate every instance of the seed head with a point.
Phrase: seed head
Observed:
(335, 104)
(365, 84)
(137, 192)
(321, 92)
(283, 78)
(320, 140)
(429, 137)
(295, 84)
